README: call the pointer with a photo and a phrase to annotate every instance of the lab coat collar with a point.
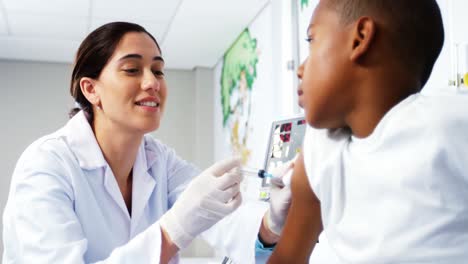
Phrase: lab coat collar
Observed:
(148, 151)
(143, 185)
(83, 144)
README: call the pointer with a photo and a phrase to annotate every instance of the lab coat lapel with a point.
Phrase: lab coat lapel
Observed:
(81, 139)
(112, 188)
(143, 187)
(83, 143)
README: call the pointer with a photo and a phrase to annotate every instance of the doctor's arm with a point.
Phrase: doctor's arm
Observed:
(303, 223)
(44, 222)
(49, 231)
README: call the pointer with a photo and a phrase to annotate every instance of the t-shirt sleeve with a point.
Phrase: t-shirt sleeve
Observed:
(309, 152)
(321, 148)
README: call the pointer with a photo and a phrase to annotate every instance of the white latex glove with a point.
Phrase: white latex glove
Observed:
(280, 197)
(208, 198)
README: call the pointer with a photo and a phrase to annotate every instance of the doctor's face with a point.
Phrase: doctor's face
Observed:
(131, 87)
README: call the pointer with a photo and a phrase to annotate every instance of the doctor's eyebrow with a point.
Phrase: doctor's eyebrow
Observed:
(138, 56)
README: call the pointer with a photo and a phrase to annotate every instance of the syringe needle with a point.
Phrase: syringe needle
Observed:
(262, 174)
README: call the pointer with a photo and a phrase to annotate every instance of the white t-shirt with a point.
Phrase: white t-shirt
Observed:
(401, 194)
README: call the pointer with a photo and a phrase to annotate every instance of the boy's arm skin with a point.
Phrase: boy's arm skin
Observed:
(303, 224)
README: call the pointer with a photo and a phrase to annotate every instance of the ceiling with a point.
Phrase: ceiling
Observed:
(191, 33)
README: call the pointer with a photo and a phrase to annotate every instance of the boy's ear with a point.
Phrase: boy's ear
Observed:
(88, 88)
(363, 37)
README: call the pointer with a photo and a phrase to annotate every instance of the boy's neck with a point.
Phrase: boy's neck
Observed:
(379, 94)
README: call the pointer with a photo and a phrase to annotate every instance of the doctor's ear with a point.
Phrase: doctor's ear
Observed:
(88, 88)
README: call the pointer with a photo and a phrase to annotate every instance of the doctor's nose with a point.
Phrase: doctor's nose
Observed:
(150, 82)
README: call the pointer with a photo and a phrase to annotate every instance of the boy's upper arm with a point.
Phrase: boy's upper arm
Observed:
(303, 224)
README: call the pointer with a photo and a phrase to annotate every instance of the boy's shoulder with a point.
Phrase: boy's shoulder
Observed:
(436, 116)
(438, 110)
(433, 110)
(427, 119)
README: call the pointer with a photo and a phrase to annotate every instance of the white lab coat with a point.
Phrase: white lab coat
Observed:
(65, 206)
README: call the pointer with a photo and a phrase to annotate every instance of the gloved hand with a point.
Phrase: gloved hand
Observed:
(280, 197)
(208, 198)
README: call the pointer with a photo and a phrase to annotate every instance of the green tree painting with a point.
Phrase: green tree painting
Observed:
(237, 78)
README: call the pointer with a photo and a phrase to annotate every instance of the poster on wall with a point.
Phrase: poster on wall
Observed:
(245, 95)
(238, 75)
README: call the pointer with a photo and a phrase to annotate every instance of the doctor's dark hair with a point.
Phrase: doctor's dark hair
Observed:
(93, 54)
(415, 28)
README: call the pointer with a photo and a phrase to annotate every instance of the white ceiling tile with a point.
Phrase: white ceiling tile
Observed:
(198, 35)
(53, 26)
(58, 7)
(154, 10)
(37, 49)
(203, 43)
(156, 28)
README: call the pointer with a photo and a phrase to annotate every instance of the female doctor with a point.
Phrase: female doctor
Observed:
(100, 190)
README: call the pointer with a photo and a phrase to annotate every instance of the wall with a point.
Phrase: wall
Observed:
(35, 101)
(178, 120)
(204, 117)
(187, 127)
(442, 70)
(251, 112)
(203, 147)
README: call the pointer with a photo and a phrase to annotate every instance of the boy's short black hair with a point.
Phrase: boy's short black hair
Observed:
(415, 27)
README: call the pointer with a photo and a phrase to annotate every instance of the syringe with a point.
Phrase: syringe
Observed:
(255, 172)
(263, 175)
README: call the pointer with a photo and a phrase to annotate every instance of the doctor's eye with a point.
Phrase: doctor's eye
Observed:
(131, 70)
(158, 73)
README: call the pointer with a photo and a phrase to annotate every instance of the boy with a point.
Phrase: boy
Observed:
(385, 170)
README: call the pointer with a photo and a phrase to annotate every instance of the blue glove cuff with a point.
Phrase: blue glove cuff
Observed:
(261, 248)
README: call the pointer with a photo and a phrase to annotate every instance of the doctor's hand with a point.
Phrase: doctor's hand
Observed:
(208, 198)
(280, 199)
